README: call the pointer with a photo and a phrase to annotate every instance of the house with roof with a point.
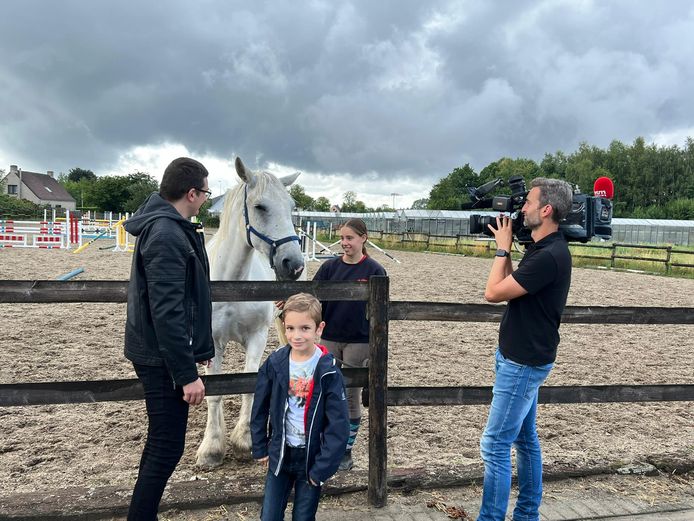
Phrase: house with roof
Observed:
(41, 189)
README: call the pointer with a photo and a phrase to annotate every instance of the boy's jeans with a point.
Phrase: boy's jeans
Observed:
(512, 421)
(278, 488)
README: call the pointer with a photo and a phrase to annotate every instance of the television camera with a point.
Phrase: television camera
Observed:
(589, 216)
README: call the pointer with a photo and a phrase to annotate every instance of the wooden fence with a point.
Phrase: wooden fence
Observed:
(381, 311)
(616, 250)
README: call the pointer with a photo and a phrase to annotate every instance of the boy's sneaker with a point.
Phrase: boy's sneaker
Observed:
(346, 463)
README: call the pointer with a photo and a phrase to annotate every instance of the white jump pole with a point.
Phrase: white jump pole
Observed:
(313, 243)
(382, 251)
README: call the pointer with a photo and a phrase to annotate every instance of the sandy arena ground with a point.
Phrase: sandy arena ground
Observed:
(49, 447)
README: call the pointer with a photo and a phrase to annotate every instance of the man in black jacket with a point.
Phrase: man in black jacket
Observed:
(169, 322)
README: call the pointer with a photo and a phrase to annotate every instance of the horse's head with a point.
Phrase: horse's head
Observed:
(268, 216)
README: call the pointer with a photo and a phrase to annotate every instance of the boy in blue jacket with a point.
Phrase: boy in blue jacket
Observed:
(301, 392)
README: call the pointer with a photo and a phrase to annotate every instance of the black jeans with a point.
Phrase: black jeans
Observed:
(166, 436)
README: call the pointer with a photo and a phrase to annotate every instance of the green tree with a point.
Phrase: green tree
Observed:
(141, 185)
(680, 209)
(451, 192)
(322, 204)
(77, 174)
(554, 166)
(350, 203)
(109, 193)
(507, 167)
(302, 200)
(420, 204)
(80, 190)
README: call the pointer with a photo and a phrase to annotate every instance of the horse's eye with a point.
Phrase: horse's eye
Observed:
(260, 207)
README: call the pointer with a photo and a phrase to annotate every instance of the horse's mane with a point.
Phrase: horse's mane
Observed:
(234, 200)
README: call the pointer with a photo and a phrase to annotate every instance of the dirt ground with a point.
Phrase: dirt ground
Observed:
(49, 447)
(652, 490)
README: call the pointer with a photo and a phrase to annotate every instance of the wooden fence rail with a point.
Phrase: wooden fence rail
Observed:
(381, 311)
(464, 241)
(93, 391)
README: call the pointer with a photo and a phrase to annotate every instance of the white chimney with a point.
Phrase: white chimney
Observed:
(50, 173)
(13, 169)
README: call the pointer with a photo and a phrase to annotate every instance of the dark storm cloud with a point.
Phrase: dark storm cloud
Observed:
(408, 89)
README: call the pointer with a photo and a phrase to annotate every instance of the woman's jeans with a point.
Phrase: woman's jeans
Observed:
(512, 421)
(166, 435)
(277, 489)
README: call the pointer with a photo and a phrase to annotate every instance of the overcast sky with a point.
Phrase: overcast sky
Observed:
(374, 96)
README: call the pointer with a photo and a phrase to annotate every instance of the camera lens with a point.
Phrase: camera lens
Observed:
(478, 223)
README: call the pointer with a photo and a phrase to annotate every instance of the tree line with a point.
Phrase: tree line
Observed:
(651, 181)
(114, 193)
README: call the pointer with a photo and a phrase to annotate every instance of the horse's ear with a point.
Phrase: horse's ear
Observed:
(244, 173)
(289, 179)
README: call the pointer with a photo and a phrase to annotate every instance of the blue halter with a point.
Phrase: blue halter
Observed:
(274, 244)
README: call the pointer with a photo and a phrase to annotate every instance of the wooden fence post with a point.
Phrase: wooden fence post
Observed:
(378, 390)
(614, 252)
(668, 259)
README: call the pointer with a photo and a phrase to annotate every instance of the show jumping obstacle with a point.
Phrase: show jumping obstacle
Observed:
(309, 243)
(41, 234)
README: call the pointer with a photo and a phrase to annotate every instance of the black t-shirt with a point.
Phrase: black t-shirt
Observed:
(346, 321)
(529, 332)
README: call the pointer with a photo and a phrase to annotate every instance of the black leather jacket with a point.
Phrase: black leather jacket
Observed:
(169, 316)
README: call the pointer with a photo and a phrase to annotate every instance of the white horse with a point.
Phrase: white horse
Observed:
(256, 241)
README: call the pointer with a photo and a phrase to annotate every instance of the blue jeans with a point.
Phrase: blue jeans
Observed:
(166, 436)
(512, 421)
(277, 490)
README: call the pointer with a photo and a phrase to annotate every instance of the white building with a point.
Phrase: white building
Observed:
(41, 189)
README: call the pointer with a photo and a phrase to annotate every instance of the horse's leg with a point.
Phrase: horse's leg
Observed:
(211, 451)
(241, 435)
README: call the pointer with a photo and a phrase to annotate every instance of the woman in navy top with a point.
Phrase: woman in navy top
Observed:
(346, 332)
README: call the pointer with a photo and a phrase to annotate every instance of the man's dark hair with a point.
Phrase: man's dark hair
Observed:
(181, 175)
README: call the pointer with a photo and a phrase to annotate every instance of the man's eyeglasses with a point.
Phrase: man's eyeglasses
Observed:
(207, 193)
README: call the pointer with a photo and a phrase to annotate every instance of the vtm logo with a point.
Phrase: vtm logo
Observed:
(600, 193)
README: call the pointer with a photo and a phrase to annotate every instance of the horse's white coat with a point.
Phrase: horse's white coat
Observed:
(231, 258)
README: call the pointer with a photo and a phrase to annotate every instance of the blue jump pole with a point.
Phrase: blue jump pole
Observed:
(70, 274)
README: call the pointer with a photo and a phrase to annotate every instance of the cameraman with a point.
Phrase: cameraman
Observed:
(528, 337)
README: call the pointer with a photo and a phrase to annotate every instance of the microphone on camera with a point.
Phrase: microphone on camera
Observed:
(603, 187)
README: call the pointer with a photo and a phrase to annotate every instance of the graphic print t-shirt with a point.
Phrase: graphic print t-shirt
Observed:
(300, 383)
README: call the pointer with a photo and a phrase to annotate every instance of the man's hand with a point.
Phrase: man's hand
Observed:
(503, 233)
(194, 392)
(263, 461)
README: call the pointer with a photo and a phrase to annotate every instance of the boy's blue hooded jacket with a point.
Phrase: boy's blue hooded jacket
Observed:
(326, 418)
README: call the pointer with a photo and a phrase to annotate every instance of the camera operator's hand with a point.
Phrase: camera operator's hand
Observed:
(503, 233)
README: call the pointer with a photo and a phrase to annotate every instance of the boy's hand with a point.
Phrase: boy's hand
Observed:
(310, 480)
(263, 461)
